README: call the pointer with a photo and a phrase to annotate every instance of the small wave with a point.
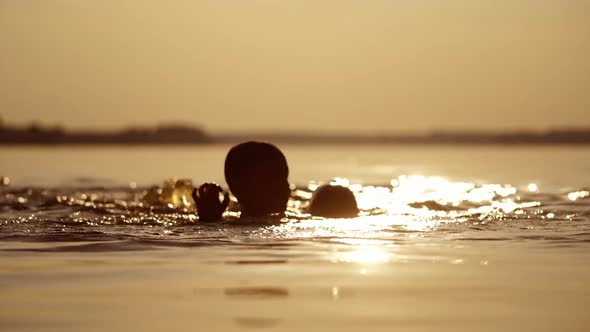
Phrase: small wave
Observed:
(408, 208)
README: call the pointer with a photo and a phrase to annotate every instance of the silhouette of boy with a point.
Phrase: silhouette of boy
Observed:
(333, 202)
(257, 174)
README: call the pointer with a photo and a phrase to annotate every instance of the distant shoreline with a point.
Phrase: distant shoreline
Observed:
(42, 145)
(297, 142)
(186, 135)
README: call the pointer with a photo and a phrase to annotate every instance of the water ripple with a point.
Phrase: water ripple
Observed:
(410, 208)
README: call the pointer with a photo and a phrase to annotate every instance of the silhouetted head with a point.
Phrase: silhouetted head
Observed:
(257, 173)
(333, 202)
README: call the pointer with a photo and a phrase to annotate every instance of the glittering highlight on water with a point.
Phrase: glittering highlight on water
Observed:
(409, 207)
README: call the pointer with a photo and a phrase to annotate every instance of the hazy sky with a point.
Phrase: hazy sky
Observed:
(360, 65)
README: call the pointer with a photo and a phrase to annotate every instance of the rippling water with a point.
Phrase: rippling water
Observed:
(447, 239)
(409, 208)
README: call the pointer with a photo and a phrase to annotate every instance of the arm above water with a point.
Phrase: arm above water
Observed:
(209, 205)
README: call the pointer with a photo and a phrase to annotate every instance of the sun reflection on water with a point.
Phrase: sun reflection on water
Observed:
(434, 197)
(411, 204)
(364, 255)
(578, 195)
(408, 206)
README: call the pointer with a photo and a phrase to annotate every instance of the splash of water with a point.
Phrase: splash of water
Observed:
(408, 205)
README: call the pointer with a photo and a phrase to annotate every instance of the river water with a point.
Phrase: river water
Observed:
(449, 238)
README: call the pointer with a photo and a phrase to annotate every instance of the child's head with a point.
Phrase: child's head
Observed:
(257, 173)
(333, 202)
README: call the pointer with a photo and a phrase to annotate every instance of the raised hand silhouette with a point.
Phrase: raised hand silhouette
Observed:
(209, 205)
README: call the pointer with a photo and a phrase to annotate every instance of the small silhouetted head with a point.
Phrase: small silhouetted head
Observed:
(333, 202)
(257, 174)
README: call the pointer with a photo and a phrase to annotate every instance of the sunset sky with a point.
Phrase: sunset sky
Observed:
(318, 65)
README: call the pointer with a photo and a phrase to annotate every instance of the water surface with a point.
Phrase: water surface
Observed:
(449, 238)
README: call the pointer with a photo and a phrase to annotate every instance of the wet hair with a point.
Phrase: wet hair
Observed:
(257, 174)
(333, 202)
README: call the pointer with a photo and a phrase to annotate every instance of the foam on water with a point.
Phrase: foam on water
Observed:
(409, 208)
